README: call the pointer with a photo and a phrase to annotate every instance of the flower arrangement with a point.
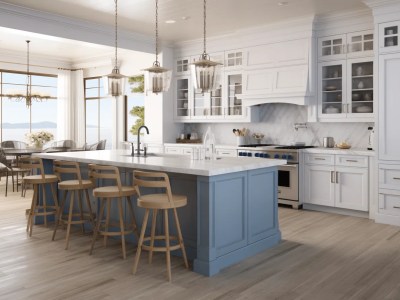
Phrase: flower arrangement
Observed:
(39, 138)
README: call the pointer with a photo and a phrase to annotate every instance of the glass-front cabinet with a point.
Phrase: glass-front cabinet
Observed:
(332, 47)
(389, 36)
(360, 42)
(234, 107)
(200, 104)
(346, 90)
(182, 66)
(216, 105)
(182, 96)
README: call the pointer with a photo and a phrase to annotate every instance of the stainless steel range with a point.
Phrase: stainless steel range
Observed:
(288, 175)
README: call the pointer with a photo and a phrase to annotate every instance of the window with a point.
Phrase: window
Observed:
(134, 107)
(16, 118)
(98, 112)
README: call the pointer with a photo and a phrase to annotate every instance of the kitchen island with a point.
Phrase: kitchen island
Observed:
(232, 202)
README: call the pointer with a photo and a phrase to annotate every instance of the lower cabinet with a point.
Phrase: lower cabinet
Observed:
(336, 185)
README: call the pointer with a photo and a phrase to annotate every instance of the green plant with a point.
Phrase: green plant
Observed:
(137, 111)
(137, 83)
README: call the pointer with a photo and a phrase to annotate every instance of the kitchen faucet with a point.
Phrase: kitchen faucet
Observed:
(138, 139)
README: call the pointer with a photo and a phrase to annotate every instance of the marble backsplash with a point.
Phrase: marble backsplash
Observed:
(277, 124)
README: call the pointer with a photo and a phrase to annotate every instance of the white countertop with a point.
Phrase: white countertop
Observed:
(166, 162)
(351, 151)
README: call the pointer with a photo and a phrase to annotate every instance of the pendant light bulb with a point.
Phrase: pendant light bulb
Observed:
(156, 78)
(205, 73)
(115, 83)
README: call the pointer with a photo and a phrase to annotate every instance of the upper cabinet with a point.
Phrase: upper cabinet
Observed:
(235, 59)
(355, 44)
(389, 37)
(182, 66)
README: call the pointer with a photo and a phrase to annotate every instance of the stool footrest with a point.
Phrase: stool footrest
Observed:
(160, 248)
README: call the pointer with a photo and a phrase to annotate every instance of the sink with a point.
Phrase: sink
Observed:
(141, 155)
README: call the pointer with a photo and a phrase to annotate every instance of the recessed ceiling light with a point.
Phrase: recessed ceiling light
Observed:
(283, 3)
(184, 18)
(170, 21)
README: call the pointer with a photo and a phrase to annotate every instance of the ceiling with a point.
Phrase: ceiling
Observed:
(223, 16)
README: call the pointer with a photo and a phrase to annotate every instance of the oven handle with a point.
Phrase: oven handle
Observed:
(288, 166)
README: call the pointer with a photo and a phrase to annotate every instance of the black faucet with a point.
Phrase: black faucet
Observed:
(138, 139)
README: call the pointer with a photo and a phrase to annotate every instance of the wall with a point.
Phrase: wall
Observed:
(277, 124)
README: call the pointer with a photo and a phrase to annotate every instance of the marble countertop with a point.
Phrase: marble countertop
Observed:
(166, 162)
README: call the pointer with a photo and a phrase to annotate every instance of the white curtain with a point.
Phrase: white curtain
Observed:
(70, 107)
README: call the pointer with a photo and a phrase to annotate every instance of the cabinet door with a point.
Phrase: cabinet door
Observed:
(182, 66)
(331, 90)
(360, 44)
(234, 108)
(351, 188)
(360, 88)
(389, 37)
(258, 82)
(235, 59)
(389, 107)
(173, 150)
(216, 110)
(200, 103)
(182, 96)
(332, 47)
(319, 185)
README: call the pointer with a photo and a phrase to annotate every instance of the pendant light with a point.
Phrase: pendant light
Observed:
(28, 79)
(157, 79)
(115, 80)
(205, 73)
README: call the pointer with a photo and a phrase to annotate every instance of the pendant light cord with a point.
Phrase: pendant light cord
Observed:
(28, 79)
(116, 33)
(156, 62)
(205, 24)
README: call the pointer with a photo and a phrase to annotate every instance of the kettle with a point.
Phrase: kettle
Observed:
(328, 142)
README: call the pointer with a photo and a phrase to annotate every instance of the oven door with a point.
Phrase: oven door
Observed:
(288, 182)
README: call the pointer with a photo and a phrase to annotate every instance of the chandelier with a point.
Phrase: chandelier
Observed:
(115, 80)
(27, 95)
(157, 79)
(205, 73)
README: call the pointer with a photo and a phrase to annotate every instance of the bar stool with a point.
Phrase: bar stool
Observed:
(156, 202)
(107, 195)
(39, 208)
(74, 186)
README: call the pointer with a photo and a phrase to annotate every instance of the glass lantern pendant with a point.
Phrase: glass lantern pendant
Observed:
(156, 78)
(115, 80)
(205, 73)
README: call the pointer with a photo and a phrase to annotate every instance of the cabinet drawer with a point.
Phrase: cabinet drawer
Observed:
(389, 176)
(174, 150)
(187, 151)
(389, 203)
(319, 159)
(352, 161)
(226, 152)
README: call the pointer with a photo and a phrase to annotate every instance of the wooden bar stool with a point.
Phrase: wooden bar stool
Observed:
(39, 207)
(75, 186)
(156, 202)
(107, 195)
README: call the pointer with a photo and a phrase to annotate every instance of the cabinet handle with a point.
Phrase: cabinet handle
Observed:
(396, 207)
(227, 153)
(344, 108)
(344, 49)
(332, 177)
(353, 160)
(337, 177)
(348, 109)
(318, 158)
(396, 178)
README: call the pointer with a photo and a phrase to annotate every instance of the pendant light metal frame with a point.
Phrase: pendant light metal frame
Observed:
(205, 71)
(157, 78)
(115, 79)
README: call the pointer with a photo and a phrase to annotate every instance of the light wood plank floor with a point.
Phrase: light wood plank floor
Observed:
(322, 256)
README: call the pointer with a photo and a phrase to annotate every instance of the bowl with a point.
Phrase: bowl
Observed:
(343, 146)
(363, 109)
(331, 110)
(355, 97)
(330, 88)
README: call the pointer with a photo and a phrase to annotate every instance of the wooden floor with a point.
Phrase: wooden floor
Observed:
(322, 256)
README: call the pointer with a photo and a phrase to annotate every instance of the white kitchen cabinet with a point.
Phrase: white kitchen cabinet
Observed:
(182, 66)
(233, 88)
(344, 46)
(258, 82)
(389, 107)
(178, 150)
(235, 59)
(345, 90)
(226, 152)
(389, 37)
(182, 107)
(337, 180)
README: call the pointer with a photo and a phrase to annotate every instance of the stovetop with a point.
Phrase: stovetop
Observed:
(256, 145)
(274, 146)
(294, 147)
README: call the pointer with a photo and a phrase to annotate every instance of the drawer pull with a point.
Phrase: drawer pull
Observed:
(318, 158)
(332, 177)
(351, 160)
(226, 153)
(396, 178)
(337, 177)
(396, 207)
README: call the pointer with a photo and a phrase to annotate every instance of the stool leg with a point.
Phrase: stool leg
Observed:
(92, 223)
(178, 228)
(107, 221)
(33, 208)
(30, 216)
(153, 231)
(12, 179)
(44, 204)
(167, 252)
(59, 214)
(140, 243)
(6, 182)
(17, 181)
(53, 192)
(121, 225)
(134, 223)
(96, 230)
(70, 213)
(81, 209)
